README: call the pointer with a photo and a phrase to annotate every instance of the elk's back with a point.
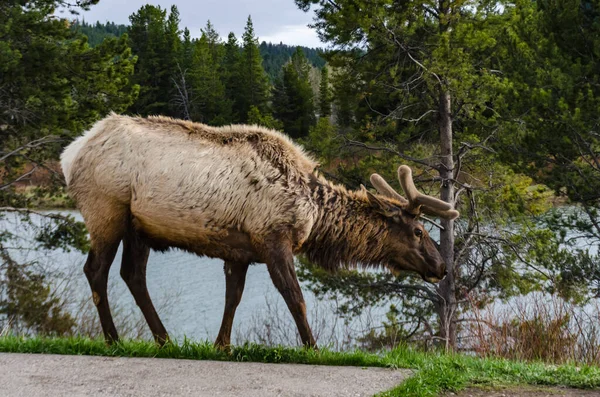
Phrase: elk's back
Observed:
(189, 182)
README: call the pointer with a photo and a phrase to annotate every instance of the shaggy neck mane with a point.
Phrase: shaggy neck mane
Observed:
(347, 232)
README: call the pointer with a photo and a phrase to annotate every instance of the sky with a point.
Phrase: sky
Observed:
(274, 20)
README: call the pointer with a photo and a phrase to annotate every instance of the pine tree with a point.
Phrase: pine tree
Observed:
(214, 43)
(254, 84)
(282, 109)
(209, 92)
(255, 117)
(345, 97)
(293, 98)
(51, 81)
(551, 131)
(173, 42)
(325, 94)
(275, 56)
(154, 39)
(187, 50)
(222, 105)
(53, 86)
(424, 66)
(230, 76)
(98, 32)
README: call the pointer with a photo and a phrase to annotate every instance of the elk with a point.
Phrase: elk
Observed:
(245, 194)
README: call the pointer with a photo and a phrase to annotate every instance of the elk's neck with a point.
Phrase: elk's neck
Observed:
(346, 232)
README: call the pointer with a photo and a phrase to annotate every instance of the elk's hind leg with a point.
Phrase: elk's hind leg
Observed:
(133, 272)
(105, 222)
(235, 279)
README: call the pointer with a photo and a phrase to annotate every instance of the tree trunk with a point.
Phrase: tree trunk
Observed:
(446, 308)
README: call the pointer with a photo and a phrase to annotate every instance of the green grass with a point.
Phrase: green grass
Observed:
(434, 372)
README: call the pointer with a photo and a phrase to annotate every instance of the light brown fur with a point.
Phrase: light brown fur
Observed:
(240, 193)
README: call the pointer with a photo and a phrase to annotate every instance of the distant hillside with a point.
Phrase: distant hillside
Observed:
(274, 55)
(98, 32)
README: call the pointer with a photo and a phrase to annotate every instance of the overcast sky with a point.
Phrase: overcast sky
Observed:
(274, 20)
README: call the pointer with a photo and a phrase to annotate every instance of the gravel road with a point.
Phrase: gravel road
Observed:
(31, 375)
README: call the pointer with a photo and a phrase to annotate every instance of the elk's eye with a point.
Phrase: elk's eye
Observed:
(418, 233)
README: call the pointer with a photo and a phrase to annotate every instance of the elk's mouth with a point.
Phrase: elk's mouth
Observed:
(432, 278)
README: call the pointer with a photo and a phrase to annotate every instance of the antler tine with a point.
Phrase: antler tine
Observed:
(385, 189)
(449, 214)
(431, 205)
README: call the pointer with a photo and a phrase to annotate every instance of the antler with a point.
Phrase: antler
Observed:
(386, 190)
(415, 201)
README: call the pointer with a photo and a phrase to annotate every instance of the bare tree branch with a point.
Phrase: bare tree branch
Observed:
(407, 51)
(350, 142)
(183, 99)
(28, 211)
(30, 145)
(59, 175)
(20, 178)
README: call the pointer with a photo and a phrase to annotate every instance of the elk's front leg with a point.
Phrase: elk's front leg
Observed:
(280, 263)
(235, 279)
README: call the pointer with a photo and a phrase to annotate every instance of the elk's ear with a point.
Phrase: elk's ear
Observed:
(381, 206)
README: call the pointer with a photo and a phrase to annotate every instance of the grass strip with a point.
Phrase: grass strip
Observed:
(435, 372)
(438, 372)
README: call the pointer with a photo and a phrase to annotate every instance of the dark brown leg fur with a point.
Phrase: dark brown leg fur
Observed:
(133, 272)
(235, 279)
(280, 263)
(97, 266)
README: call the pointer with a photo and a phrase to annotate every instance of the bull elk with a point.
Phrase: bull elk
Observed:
(244, 194)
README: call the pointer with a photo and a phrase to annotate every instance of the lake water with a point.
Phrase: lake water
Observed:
(189, 293)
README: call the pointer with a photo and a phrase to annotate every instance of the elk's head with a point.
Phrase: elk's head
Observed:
(409, 246)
